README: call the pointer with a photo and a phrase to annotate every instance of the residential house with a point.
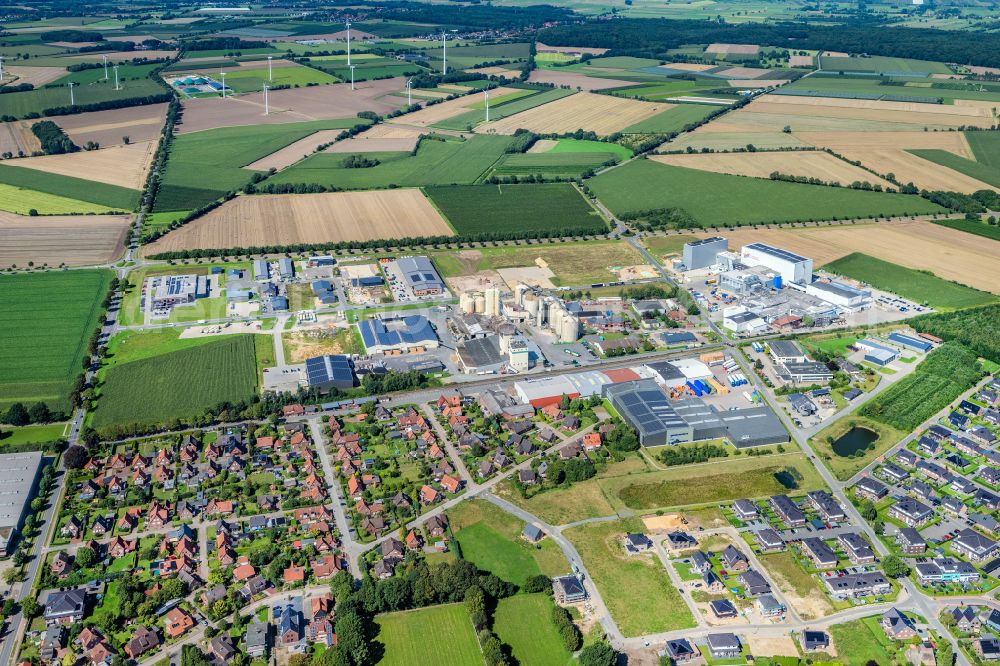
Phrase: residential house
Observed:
(966, 619)
(974, 546)
(821, 556)
(258, 639)
(857, 549)
(787, 510)
(724, 646)
(910, 512)
(734, 560)
(745, 510)
(910, 541)
(871, 489)
(680, 651)
(143, 640)
(754, 583)
(177, 622)
(65, 606)
(637, 543)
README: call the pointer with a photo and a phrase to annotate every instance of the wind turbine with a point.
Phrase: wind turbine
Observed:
(1, 68)
(115, 67)
(444, 52)
(270, 76)
(105, 56)
(409, 92)
(486, 93)
(348, 42)
(352, 77)
(71, 100)
(267, 110)
(224, 85)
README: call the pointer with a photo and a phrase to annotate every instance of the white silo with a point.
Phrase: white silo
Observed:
(480, 304)
(467, 302)
(569, 331)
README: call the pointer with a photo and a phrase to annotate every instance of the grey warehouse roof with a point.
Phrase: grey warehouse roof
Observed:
(420, 273)
(776, 252)
(329, 368)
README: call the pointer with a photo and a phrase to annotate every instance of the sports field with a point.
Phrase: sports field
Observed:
(101, 197)
(145, 391)
(48, 318)
(645, 185)
(437, 162)
(544, 209)
(432, 635)
(637, 590)
(524, 622)
(919, 286)
(248, 221)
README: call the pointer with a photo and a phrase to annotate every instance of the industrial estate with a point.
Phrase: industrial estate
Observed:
(482, 334)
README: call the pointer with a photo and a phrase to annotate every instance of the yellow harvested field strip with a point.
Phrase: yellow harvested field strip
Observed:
(542, 146)
(545, 48)
(294, 152)
(811, 163)
(602, 114)
(743, 72)
(687, 66)
(731, 139)
(744, 49)
(872, 104)
(308, 218)
(951, 141)
(380, 138)
(909, 168)
(453, 107)
(950, 254)
(36, 76)
(903, 119)
(125, 166)
(990, 105)
(139, 123)
(800, 61)
(495, 71)
(756, 83)
(17, 137)
(78, 240)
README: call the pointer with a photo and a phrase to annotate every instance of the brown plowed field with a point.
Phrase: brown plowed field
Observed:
(125, 166)
(308, 218)
(139, 123)
(602, 114)
(950, 254)
(575, 80)
(725, 49)
(79, 240)
(813, 164)
(293, 105)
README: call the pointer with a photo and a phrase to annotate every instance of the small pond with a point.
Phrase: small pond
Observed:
(854, 440)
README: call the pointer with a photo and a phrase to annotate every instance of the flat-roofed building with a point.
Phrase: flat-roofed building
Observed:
(18, 476)
(421, 276)
(645, 407)
(840, 294)
(333, 371)
(792, 267)
(702, 253)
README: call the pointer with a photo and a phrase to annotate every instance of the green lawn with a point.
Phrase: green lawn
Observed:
(101, 196)
(644, 185)
(546, 209)
(861, 641)
(148, 390)
(524, 622)
(919, 286)
(972, 227)
(719, 481)
(205, 165)
(33, 434)
(432, 635)
(47, 320)
(673, 120)
(637, 590)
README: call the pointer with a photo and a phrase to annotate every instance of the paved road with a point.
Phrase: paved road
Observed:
(352, 549)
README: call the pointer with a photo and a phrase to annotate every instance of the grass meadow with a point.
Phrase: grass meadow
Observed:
(48, 318)
(179, 384)
(673, 120)
(469, 119)
(21, 201)
(644, 185)
(919, 286)
(432, 635)
(539, 208)
(524, 622)
(972, 227)
(253, 80)
(101, 197)
(35, 101)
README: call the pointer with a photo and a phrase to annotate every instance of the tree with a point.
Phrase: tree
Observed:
(351, 638)
(945, 653)
(13, 575)
(40, 413)
(475, 604)
(75, 457)
(868, 511)
(598, 654)
(86, 557)
(894, 566)
(30, 607)
(17, 415)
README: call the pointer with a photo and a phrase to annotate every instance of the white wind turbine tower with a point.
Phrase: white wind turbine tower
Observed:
(270, 76)
(267, 110)
(409, 92)
(348, 42)
(72, 102)
(352, 77)
(1, 68)
(486, 93)
(105, 56)
(444, 52)
(224, 85)
(115, 67)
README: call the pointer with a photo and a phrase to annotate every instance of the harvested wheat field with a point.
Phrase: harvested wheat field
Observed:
(545, 48)
(800, 61)
(429, 115)
(380, 138)
(107, 128)
(953, 142)
(756, 83)
(989, 105)
(602, 114)
(293, 105)
(575, 80)
(688, 66)
(36, 76)
(125, 166)
(74, 240)
(811, 163)
(308, 218)
(725, 49)
(902, 113)
(543, 145)
(908, 168)
(17, 137)
(950, 254)
(294, 152)
(495, 71)
(743, 72)
(731, 139)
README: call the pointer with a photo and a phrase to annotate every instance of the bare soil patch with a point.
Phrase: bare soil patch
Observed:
(309, 218)
(743, 72)
(665, 523)
(478, 282)
(125, 166)
(602, 114)
(575, 80)
(725, 49)
(688, 66)
(139, 123)
(813, 164)
(79, 240)
(542, 146)
(530, 275)
(36, 76)
(778, 646)
(495, 71)
(294, 152)
(302, 345)
(17, 137)
(800, 61)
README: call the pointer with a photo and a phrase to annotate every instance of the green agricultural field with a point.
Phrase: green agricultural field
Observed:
(986, 147)
(436, 163)
(32, 434)
(499, 100)
(883, 64)
(723, 480)
(660, 91)
(253, 80)
(365, 70)
(551, 208)
(146, 391)
(491, 539)
(221, 53)
(919, 286)
(47, 321)
(158, 221)
(586, 146)
(637, 590)
(889, 86)
(464, 57)
(21, 104)
(524, 622)
(644, 185)
(469, 119)
(982, 172)
(126, 74)
(130, 346)
(432, 635)
(19, 200)
(673, 120)
(551, 165)
(203, 166)
(101, 196)
(972, 227)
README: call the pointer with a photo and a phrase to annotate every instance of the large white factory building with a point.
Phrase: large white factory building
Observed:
(791, 267)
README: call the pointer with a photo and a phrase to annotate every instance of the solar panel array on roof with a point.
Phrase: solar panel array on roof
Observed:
(332, 371)
(646, 408)
(705, 241)
(777, 252)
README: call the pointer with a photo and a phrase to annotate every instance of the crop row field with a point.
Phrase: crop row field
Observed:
(100, 197)
(55, 240)
(808, 164)
(48, 319)
(122, 166)
(21, 104)
(602, 114)
(145, 391)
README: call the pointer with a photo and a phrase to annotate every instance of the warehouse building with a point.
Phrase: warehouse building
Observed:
(545, 391)
(18, 476)
(421, 276)
(645, 407)
(876, 352)
(840, 294)
(400, 335)
(909, 342)
(807, 372)
(740, 320)
(786, 351)
(790, 266)
(330, 372)
(702, 253)
(173, 290)
(261, 270)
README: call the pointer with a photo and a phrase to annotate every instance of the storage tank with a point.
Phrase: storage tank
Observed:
(531, 304)
(480, 304)
(492, 302)
(776, 281)
(467, 302)
(543, 311)
(519, 293)
(556, 315)
(569, 330)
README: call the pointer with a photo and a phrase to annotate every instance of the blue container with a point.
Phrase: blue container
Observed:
(777, 282)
